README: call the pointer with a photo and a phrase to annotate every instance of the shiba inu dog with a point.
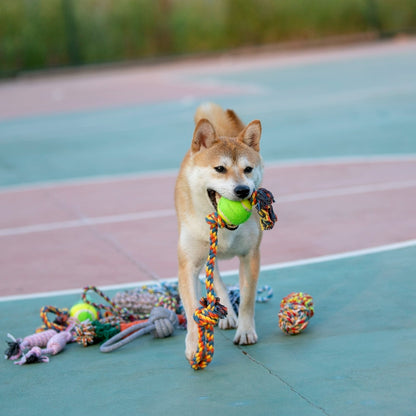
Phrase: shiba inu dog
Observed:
(223, 160)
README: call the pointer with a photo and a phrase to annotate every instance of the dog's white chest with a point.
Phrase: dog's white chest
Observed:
(238, 242)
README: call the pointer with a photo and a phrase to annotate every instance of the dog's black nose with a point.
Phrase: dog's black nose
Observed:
(242, 191)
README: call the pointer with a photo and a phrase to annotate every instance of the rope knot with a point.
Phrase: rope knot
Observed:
(263, 199)
(208, 315)
(164, 320)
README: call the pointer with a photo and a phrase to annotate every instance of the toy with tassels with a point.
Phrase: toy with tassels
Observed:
(54, 346)
(211, 310)
(17, 347)
(295, 311)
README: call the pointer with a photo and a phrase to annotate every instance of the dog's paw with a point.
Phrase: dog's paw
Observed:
(245, 337)
(229, 322)
(191, 345)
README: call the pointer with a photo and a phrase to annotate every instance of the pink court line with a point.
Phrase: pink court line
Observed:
(268, 267)
(304, 162)
(139, 216)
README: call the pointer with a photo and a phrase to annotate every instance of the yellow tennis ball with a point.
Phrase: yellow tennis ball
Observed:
(83, 311)
(234, 212)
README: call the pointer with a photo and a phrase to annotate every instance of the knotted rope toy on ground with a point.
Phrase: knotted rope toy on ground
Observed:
(295, 311)
(264, 294)
(211, 310)
(162, 322)
(111, 308)
(142, 300)
(61, 321)
(89, 333)
(18, 346)
(55, 345)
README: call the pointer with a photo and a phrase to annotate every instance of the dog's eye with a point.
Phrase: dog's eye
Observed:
(220, 169)
(248, 169)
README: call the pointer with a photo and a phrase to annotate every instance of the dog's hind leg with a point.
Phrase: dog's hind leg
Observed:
(249, 273)
(230, 321)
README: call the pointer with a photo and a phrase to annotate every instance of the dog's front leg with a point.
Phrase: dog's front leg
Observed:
(249, 273)
(189, 290)
(230, 321)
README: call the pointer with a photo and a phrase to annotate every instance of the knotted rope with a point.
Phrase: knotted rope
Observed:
(55, 345)
(59, 324)
(162, 322)
(295, 311)
(16, 347)
(139, 302)
(111, 308)
(211, 310)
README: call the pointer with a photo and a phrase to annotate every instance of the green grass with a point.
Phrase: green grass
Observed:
(37, 34)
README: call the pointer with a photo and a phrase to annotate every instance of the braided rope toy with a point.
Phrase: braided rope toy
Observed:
(264, 294)
(295, 311)
(211, 310)
(111, 308)
(59, 324)
(55, 345)
(162, 322)
(141, 301)
(89, 333)
(16, 347)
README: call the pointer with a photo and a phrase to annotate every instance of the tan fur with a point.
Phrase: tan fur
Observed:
(220, 140)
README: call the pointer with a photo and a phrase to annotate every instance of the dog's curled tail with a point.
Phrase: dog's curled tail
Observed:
(226, 123)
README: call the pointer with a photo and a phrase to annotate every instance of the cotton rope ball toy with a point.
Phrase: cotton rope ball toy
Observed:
(295, 311)
(84, 311)
(234, 212)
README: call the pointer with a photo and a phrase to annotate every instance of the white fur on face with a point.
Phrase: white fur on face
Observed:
(202, 178)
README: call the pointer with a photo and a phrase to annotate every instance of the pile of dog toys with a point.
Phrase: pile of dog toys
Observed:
(128, 315)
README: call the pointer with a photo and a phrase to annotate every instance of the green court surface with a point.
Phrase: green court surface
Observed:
(348, 106)
(356, 357)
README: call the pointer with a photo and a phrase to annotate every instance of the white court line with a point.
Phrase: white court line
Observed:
(359, 189)
(269, 267)
(113, 219)
(85, 222)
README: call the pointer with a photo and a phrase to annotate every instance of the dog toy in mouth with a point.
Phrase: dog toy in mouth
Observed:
(234, 212)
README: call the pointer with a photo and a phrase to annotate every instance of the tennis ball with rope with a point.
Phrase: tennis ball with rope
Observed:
(83, 311)
(234, 212)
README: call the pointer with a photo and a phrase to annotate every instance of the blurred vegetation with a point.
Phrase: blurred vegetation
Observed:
(37, 34)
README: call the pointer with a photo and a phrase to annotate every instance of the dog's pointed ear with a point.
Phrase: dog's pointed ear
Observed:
(251, 135)
(204, 135)
(235, 120)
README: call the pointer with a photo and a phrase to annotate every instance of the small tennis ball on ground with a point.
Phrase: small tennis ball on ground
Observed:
(234, 212)
(84, 311)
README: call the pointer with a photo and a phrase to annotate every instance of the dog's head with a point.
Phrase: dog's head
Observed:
(226, 166)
